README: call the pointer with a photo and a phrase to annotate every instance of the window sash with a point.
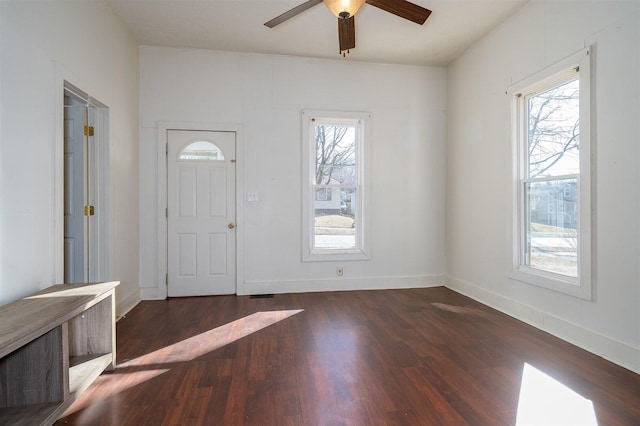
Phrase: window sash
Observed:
(318, 247)
(550, 178)
(526, 247)
(321, 245)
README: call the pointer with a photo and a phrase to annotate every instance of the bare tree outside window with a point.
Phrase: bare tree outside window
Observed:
(554, 131)
(335, 155)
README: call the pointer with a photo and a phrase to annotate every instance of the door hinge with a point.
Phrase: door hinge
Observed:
(166, 148)
(89, 211)
(88, 130)
(166, 212)
(166, 279)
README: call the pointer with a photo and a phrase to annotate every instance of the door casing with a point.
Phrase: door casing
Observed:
(99, 241)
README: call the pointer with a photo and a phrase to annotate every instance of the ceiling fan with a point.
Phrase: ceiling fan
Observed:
(345, 10)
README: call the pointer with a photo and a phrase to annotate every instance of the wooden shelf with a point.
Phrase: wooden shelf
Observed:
(28, 414)
(53, 345)
(83, 370)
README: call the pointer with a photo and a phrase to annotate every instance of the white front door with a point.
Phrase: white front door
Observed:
(201, 213)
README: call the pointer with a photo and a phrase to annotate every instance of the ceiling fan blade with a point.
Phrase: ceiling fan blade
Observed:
(403, 9)
(292, 12)
(347, 33)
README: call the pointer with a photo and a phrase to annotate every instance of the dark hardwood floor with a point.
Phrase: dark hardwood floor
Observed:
(392, 357)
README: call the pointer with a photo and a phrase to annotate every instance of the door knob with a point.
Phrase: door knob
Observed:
(231, 225)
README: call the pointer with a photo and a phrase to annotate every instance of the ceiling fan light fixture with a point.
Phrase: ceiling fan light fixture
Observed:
(344, 9)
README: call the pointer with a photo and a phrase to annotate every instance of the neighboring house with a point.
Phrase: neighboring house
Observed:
(556, 205)
(328, 201)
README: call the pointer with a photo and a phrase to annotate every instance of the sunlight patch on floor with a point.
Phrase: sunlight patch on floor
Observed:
(545, 401)
(209, 341)
(186, 350)
(112, 384)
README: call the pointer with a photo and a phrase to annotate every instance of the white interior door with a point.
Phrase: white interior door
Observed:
(75, 223)
(201, 213)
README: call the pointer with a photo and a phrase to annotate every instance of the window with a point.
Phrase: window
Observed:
(335, 184)
(201, 151)
(323, 194)
(552, 223)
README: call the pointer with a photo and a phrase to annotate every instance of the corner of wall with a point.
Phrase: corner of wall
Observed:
(125, 303)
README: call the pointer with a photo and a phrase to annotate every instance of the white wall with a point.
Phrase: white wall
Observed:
(265, 95)
(479, 171)
(84, 43)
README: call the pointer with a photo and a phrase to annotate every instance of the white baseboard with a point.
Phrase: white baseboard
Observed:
(303, 286)
(152, 293)
(609, 349)
(343, 284)
(127, 303)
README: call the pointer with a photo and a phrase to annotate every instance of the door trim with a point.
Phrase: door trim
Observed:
(101, 262)
(162, 183)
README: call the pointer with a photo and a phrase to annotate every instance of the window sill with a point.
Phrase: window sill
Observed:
(556, 282)
(332, 256)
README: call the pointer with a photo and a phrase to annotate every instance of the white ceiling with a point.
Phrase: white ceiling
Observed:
(237, 25)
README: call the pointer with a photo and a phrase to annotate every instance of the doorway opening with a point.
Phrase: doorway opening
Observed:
(85, 187)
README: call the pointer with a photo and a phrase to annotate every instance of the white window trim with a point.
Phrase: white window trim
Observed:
(363, 147)
(581, 286)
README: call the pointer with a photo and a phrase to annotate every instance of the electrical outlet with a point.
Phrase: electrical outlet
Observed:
(339, 271)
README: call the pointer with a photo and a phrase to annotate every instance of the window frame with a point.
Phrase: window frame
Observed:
(580, 286)
(363, 184)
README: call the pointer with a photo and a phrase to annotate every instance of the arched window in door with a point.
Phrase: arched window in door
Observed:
(201, 151)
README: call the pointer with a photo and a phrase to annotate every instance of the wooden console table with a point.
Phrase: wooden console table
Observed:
(53, 345)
